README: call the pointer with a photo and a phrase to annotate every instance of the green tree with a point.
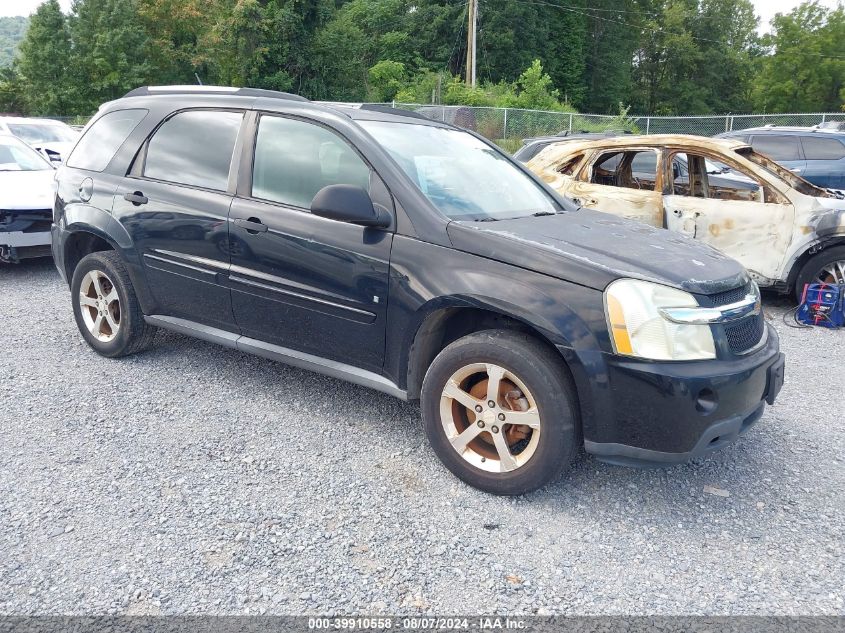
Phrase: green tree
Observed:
(42, 67)
(805, 70)
(176, 32)
(107, 56)
(386, 79)
(12, 32)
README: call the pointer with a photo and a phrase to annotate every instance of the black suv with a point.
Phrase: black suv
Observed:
(415, 258)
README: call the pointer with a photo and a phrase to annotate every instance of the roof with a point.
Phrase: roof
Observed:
(567, 148)
(250, 97)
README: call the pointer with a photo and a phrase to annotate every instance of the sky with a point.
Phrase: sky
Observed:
(766, 9)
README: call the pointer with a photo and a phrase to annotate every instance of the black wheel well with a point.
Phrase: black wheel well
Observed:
(444, 326)
(80, 244)
(807, 255)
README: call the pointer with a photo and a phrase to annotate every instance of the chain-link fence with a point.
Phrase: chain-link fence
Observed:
(509, 126)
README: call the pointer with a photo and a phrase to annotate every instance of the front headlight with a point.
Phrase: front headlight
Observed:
(638, 329)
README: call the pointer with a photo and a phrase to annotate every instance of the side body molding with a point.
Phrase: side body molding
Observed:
(281, 354)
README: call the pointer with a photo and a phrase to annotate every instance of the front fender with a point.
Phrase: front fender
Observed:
(426, 279)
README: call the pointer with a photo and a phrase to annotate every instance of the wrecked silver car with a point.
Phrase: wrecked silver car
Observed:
(786, 231)
(26, 201)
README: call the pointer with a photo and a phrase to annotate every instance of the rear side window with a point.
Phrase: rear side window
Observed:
(96, 148)
(194, 148)
(816, 148)
(777, 148)
(295, 159)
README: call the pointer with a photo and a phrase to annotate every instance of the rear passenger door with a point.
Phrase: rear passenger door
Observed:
(175, 204)
(300, 281)
(624, 183)
(825, 161)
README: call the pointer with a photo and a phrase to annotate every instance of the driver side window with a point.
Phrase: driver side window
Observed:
(634, 169)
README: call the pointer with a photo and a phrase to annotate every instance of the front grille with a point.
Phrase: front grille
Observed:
(746, 334)
(741, 335)
(727, 297)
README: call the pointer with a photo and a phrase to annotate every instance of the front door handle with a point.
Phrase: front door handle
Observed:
(137, 198)
(253, 226)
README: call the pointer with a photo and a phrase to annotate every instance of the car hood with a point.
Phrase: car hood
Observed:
(593, 249)
(25, 190)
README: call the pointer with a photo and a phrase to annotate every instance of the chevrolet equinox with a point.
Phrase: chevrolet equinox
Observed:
(415, 258)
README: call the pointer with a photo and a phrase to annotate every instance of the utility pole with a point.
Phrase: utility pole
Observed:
(472, 32)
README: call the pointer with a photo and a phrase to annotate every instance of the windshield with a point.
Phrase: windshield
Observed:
(461, 175)
(781, 173)
(17, 156)
(43, 132)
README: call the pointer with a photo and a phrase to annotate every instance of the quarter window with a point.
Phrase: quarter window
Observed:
(816, 148)
(194, 148)
(295, 159)
(779, 148)
(96, 148)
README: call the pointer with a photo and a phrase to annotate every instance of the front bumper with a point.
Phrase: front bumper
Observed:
(17, 245)
(658, 413)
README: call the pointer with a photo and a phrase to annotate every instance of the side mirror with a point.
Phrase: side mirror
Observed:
(349, 203)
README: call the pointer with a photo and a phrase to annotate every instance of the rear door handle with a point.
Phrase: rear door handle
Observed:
(137, 198)
(253, 226)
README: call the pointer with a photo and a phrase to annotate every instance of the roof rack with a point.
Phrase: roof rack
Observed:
(146, 91)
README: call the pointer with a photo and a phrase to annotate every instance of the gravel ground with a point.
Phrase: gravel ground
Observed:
(194, 479)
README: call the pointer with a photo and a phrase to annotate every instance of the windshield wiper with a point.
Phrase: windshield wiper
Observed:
(540, 214)
(487, 219)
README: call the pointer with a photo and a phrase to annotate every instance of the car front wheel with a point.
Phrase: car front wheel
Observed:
(500, 412)
(826, 267)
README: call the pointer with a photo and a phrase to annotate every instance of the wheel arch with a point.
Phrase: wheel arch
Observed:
(443, 322)
(807, 252)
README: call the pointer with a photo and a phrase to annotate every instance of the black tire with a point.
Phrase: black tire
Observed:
(810, 271)
(543, 374)
(134, 333)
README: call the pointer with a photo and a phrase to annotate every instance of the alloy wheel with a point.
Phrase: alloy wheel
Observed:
(100, 305)
(490, 417)
(832, 273)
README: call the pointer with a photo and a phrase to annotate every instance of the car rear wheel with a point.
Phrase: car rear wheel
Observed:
(105, 307)
(826, 267)
(500, 412)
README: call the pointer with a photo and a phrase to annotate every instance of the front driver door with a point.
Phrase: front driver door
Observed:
(624, 183)
(298, 280)
(733, 212)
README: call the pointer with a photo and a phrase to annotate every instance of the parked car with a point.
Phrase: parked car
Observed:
(26, 201)
(533, 146)
(815, 153)
(53, 139)
(786, 231)
(417, 259)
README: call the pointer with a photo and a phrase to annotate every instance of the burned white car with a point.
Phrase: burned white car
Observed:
(784, 230)
(26, 201)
